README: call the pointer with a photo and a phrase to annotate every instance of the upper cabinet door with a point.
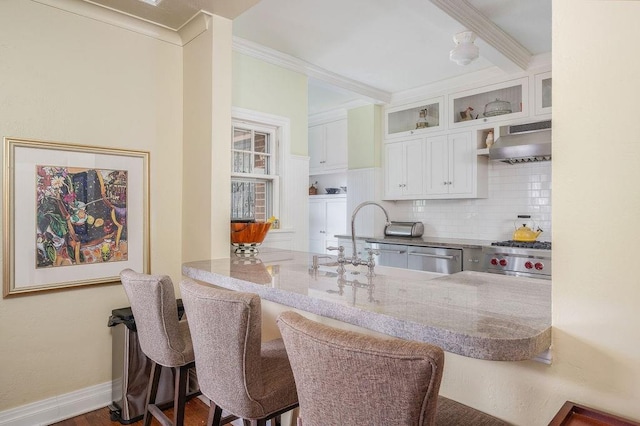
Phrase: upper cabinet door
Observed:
(497, 102)
(328, 147)
(462, 164)
(543, 93)
(336, 145)
(437, 165)
(415, 118)
(404, 169)
(316, 147)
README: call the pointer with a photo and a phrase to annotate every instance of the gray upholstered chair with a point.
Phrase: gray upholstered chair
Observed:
(348, 378)
(164, 339)
(236, 371)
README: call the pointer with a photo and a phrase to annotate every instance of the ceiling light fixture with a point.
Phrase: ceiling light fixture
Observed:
(465, 51)
(152, 2)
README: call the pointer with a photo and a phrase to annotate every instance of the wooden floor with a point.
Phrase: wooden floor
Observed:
(196, 414)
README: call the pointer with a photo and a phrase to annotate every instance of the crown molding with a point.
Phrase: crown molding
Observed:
(490, 33)
(289, 62)
(91, 10)
(327, 116)
(196, 25)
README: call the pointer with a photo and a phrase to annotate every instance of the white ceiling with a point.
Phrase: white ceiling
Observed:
(390, 46)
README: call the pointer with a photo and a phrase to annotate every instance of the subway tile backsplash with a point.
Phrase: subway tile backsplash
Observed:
(513, 190)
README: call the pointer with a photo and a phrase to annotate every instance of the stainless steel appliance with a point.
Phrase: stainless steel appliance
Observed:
(404, 229)
(525, 259)
(429, 259)
(472, 259)
(435, 259)
(523, 143)
(391, 255)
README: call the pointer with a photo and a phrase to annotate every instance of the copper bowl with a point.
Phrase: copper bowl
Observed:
(252, 233)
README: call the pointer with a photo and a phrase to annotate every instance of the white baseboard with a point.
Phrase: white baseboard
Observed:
(58, 408)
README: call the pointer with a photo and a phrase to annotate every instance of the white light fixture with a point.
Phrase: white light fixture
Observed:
(465, 51)
(152, 2)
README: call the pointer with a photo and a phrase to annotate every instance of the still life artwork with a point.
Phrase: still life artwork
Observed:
(81, 216)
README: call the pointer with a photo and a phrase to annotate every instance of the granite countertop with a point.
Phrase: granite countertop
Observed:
(423, 241)
(474, 314)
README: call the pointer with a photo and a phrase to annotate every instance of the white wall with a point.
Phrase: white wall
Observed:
(67, 78)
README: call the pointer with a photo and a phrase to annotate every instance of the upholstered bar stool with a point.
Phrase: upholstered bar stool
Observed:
(349, 378)
(236, 371)
(164, 339)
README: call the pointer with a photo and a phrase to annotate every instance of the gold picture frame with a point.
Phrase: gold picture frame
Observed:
(73, 215)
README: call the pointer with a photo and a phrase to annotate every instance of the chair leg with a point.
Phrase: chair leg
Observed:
(215, 414)
(276, 421)
(152, 391)
(180, 394)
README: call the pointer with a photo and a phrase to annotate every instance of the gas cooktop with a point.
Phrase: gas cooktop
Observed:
(539, 245)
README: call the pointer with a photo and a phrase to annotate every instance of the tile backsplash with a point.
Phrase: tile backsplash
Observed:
(513, 190)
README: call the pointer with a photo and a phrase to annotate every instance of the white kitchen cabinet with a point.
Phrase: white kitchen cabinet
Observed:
(414, 119)
(328, 147)
(453, 169)
(327, 218)
(543, 93)
(404, 169)
(467, 108)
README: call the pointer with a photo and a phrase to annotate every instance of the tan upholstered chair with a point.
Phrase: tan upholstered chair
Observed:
(164, 339)
(236, 371)
(348, 378)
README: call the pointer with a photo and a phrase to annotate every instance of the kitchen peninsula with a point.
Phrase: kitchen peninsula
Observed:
(474, 314)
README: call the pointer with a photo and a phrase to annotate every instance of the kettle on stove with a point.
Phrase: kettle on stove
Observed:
(524, 233)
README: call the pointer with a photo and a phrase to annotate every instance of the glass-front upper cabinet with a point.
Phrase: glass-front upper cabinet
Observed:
(543, 93)
(410, 119)
(496, 102)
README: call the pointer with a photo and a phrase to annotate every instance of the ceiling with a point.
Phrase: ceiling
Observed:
(373, 46)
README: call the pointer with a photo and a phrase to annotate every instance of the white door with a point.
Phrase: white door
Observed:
(317, 223)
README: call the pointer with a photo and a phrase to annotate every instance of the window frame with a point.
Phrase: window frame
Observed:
(262, 123)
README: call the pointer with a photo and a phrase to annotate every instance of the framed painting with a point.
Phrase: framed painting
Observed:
(74, 215)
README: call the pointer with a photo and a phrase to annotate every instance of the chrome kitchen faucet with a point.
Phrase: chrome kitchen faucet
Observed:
(354, 259)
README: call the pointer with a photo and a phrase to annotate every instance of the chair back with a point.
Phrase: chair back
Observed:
(226, 331)
(348, 378)
(153, 303)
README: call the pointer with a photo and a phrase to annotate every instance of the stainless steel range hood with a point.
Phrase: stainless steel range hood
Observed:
(523, 143)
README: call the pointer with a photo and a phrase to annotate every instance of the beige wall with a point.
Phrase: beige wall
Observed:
(72, 79)
(264, 87)
(365, 136)
(596, 173)
(207, 156)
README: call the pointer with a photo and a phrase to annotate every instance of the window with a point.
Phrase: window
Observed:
(254, 177)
